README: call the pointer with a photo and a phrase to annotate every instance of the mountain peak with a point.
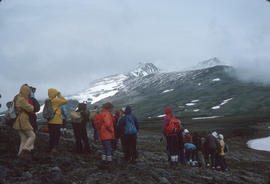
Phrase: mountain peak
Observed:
(209, 63)
(144, 69)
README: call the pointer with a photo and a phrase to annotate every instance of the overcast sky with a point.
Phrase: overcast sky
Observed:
(65, 44)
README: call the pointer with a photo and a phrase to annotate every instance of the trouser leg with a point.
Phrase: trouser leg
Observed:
(133, 143)
(29, 144)
(77, 135)
(85, 137)
(22, 141)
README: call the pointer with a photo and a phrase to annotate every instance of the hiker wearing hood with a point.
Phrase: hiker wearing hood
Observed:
(57, 100)
(104, 124)
(221, 156)
(129, 126)
(22, 123)
(172, 131)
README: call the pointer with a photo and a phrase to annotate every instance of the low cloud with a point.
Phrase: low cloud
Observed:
(256, 70)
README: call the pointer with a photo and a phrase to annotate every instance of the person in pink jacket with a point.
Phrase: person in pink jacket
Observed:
(106, 131)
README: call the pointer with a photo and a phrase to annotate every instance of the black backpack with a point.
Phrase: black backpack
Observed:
(35, 104)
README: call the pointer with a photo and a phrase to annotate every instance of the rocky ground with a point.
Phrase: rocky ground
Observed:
(246, 165)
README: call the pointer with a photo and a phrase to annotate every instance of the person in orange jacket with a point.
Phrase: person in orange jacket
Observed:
(105, 127)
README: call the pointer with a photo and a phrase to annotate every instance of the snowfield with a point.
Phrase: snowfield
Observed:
(262, 144)
(102, 89)
(161, 116)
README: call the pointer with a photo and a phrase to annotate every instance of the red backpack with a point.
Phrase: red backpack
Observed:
(173, 126)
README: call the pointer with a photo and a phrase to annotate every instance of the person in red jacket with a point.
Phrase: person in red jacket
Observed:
(105, 126)
(171, 135)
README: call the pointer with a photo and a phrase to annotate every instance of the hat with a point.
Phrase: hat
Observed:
(221, 136)
(123, 109)
(186, 131)
(215, 134)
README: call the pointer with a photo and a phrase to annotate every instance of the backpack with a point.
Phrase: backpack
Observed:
(48, 112)
(36, 105)
(130, 127)
(173, 126)
(76, 117)
(11, 113)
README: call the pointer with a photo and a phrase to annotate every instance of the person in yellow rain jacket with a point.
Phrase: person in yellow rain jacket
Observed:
(221, 156)
(57, 100)
(22, 123)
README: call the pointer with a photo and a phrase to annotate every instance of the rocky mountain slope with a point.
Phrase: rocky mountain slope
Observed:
(210, 91)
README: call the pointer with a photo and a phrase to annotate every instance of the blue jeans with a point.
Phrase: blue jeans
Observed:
(107, 147)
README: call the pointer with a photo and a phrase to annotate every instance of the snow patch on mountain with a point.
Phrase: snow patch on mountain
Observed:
(190, 104)
(216, 80)
(202, 118)
(168, 90)
(223, 103)
(161, 116)
(196, 110)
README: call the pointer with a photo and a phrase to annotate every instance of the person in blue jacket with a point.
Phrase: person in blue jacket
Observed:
(129, 127)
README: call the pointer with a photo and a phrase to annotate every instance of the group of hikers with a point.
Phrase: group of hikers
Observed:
(108, 128)
(193, 150)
